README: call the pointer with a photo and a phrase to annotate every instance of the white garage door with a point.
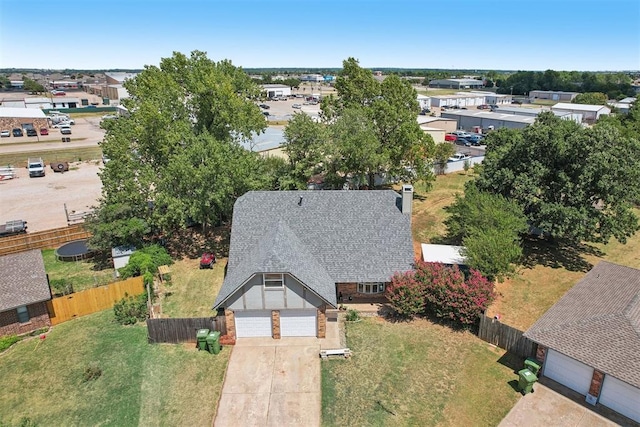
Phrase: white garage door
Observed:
(253, 324)
(621, 397)
(298, 323)
(568, 371)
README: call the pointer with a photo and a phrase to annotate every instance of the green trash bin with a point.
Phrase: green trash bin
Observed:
(201, 335)
(213, 342)
(533, 365)
(525, 383)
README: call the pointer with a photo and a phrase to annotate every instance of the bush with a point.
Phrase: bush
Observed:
(92, 373)
(129, 310)
(145, 262)
(61, 287)
(405, 295)
(8, 341)
(440, 291)
(353, 316)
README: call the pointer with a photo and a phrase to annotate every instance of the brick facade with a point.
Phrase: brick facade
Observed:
(275, 324)
(596, 383)
(38, 318)
(348, 293)
(11, 123)
(322, 322)
(231, 323)
(541, 353)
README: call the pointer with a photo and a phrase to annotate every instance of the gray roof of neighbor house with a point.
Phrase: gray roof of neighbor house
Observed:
(23, 280)
(321, 237)
(597, 322)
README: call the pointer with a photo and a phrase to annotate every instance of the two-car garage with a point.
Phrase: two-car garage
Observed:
(259, 323)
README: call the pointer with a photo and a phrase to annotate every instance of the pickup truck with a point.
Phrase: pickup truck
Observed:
(13, 227)
(35, 165)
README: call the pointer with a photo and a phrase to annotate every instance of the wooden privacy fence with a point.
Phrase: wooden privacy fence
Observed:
(42, 239)
(182, 330)
(505, 337)
(86, 302)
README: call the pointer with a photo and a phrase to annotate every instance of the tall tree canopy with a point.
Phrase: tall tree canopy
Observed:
(574, 183)
(175, 158)
(374, 129)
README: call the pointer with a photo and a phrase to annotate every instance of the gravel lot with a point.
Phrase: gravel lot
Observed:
(40, 201)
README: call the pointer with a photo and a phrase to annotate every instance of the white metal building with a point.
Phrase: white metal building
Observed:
(276, 90)
(457, 83)
(424, 101)
(495, 98)
(459, 100)
(474, 120)
(590, 113)
(553, 95)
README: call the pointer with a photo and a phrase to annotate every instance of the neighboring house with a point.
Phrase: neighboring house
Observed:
(445, 254)
(293, 254)
(24, 292)
(589, 340)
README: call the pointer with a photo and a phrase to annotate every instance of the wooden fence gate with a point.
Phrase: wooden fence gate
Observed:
(175, 331)
(505, 337)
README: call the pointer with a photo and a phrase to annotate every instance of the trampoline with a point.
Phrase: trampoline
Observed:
(73, 251)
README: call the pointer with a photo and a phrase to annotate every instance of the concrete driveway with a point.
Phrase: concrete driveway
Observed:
(548, 408)
(271, 383)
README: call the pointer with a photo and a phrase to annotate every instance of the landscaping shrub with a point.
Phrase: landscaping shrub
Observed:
(405, 294)
(8, 341)
(353, 316)
(131, 309)
(145, 262)
(441, 291)
(60, 287)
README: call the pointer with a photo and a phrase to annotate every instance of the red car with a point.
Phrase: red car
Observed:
(207, 260)
(44, 131)
(450, 137)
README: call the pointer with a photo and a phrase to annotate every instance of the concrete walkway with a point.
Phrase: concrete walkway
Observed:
(547, 408)
(274, 382)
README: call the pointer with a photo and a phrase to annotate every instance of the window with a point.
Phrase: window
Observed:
(273, 280)
(23, 314)
(370, 288)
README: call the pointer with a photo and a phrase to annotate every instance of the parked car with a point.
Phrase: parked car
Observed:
(90, 106)
(266, 113)
(461, 140)
(207, 260)
(44, 131)
(458, 157)
(65, 131)
(450, 137)
(32, 132)
(297, 106)
(475, 139)
(265, 106)
(17, 132)
(62, 124)
(461, 133)
(5, 134)
(425, 111)
(483, 107)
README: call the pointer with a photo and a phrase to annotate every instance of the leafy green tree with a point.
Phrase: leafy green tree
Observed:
(592, 98)
(176, 158)
(490, 228)
(306, 145)
(33, 86)
(442, 153)
(574, 183)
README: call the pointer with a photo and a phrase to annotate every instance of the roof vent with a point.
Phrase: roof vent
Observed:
(300, 201)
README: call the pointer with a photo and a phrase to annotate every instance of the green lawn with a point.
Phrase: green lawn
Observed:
(418, 374)
(80, 274)
(141, 384)
(192, 291)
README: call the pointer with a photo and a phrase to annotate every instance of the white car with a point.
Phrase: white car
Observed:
(461, 134)
(63, 124)
(5, 134)
(297, 106)
(458, 157)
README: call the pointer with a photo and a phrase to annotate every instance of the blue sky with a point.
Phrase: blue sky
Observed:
(466, 34)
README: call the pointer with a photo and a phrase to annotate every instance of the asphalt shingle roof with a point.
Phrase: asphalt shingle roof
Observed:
(597, 322)
(23, 280)
(321, 237)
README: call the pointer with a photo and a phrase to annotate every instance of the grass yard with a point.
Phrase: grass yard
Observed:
(416, 374)
(192, 291)
(66, 155)
(81, 274)
(141, 384)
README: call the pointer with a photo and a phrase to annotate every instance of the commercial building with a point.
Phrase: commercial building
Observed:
(495, 98)
(553, 95)
(315, 78)
(23, 118)
(276, 90)
(535, 112)
(458, 100)
(436, 134)
(456, 83)
(118, 78)
(590, 113)
(424, 101)
(447, 125)
(479, 120)
(623, 105)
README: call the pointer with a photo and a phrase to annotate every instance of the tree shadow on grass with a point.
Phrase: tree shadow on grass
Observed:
(558, 254)
(192, 242)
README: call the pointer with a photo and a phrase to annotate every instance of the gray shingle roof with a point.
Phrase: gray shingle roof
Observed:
(344, 236)
(23, 280)
(597, 322)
